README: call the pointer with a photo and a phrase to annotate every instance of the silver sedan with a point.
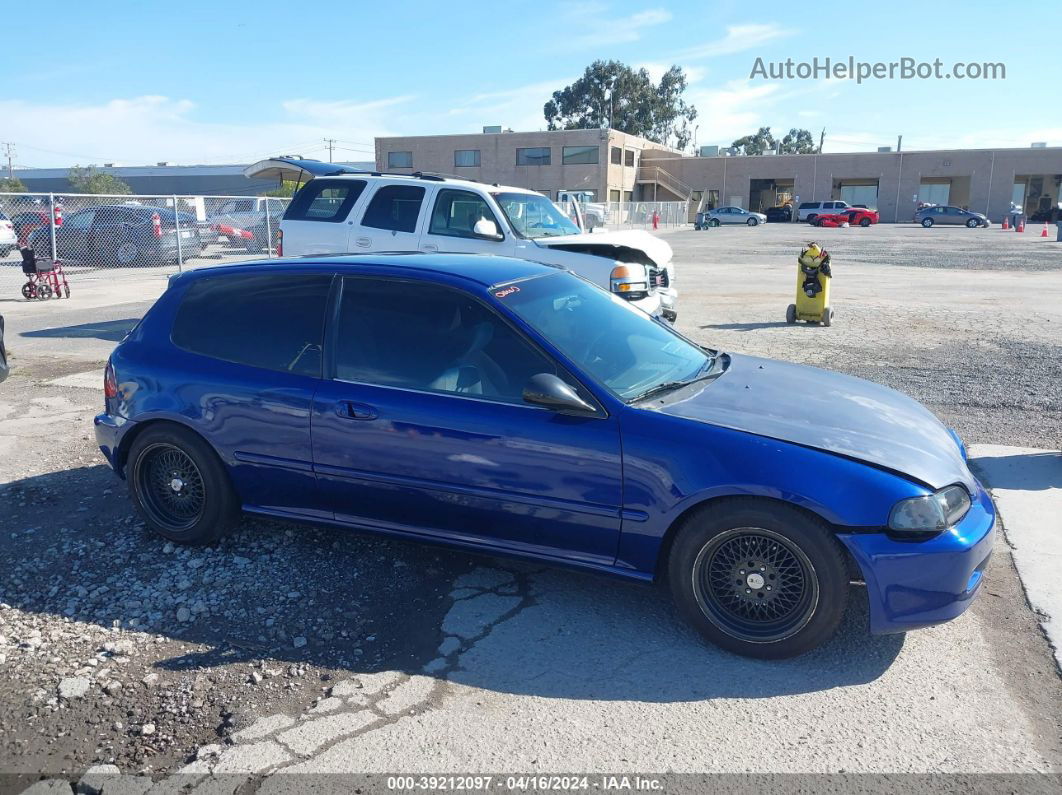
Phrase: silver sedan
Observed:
(729, 215)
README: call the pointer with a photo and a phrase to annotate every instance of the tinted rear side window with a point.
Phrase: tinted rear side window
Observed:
(395, 207)
(272, 322)
(325, 200)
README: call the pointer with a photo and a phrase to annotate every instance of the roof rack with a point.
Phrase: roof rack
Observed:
(428, 175)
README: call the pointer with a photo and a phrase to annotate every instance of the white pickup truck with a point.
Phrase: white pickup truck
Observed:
(342, 210)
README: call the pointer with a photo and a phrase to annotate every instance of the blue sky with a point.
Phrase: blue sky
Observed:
(199, 82)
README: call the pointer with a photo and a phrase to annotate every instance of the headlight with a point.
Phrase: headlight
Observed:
(629, 281)
(931, 513)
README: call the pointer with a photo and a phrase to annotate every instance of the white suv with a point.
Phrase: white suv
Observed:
(342, 210)
(809, 211)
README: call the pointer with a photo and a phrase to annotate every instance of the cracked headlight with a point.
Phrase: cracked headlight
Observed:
(931, 513)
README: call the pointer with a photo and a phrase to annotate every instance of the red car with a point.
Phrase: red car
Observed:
(851, 216)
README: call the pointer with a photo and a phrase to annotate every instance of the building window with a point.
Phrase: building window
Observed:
(466, 158)
(579, 155)
(613, 195)
(533, 156)
(628, 196)
(400, 160)
(628, 157)
(615, 155)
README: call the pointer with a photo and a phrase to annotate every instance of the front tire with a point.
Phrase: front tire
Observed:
(179, 486)
(864, 223)
(973, 223)
(759, 578)
(714, 222)
(927, 222)
(753, 221)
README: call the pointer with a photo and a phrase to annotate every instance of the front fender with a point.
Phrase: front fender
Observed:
(672, 465)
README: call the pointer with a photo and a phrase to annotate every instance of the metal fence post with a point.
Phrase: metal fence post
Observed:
(269, 232)
(177, 226)
(51, 224)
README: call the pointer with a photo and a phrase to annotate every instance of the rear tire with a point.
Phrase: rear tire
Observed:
(811, 219)
(180, 487)
(759, 578)
(865, 223)
(790, 314)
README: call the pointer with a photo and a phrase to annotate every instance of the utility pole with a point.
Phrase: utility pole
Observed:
(899, 143)
(822, 139)
(331, 146)
(9, 150)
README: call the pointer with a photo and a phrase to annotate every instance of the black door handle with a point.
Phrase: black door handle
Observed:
(350, 410)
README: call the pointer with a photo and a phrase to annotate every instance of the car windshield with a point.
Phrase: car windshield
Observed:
(533, 215)
(619, 345)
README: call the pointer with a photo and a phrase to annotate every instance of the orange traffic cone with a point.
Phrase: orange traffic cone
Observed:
(1006, 223)
(1044, 233)
(1021, 225)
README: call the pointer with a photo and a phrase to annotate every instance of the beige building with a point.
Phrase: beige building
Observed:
(614, 166)
(603, 162)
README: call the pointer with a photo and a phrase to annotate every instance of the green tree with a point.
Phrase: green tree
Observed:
(755, 144)
(610, 93)
(12, 185)
(284, 190)
(90, 179)
(798, 142)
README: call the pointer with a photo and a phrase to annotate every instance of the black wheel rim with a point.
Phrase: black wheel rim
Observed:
(755, 585)
(170, 486)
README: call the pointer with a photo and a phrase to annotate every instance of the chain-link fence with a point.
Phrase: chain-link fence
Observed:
(87, 232)
(646, 215)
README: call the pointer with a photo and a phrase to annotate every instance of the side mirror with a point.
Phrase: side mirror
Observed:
(486, 229)
(548, 391)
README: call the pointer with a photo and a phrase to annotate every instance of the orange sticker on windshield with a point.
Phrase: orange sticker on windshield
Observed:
(505, 292)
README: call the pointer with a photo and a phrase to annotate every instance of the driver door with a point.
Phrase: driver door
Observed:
(451, 225)
(422, 429)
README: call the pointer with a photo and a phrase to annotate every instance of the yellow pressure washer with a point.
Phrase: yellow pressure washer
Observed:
(813, 287)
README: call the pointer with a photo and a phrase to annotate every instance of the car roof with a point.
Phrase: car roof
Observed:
(483, 269)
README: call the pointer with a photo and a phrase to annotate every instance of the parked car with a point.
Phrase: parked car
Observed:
(593, 212)
(249, 215)
(119, 234)
(946, 214)
(28, 221)
(807, 211)
(343, 210)
(852, 217)
(4, 369)
(779, 215)
(8, 238)
(728, 215)
(514, 408)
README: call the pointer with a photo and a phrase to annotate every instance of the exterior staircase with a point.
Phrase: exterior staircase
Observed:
(655, 175)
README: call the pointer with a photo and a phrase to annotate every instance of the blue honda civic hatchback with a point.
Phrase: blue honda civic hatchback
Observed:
(513, 408)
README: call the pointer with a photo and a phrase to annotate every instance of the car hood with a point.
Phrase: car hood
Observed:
(827, 411)
(632, 245)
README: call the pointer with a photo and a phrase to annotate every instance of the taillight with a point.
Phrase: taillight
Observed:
(110, 385)
(280, 242)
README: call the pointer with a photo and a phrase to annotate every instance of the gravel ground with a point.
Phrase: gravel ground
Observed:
(118, 648)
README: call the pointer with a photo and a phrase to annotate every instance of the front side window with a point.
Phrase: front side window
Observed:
(274, 322)
(466, 158)
(533, 156)
(400, 160)
(574, 155)
(81, 220)
(394, 207)
(456, 212)
(533, 215)
(430, 338)
(619, 345)
(325, 200)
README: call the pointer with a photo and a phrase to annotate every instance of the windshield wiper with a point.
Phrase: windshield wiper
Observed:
(707, 371)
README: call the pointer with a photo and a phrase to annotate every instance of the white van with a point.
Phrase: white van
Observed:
(342, 210)
(809, 211)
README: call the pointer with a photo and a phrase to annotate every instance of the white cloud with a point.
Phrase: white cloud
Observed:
(738, 38)
(593, 25)
(148, 129)
(656, 70)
